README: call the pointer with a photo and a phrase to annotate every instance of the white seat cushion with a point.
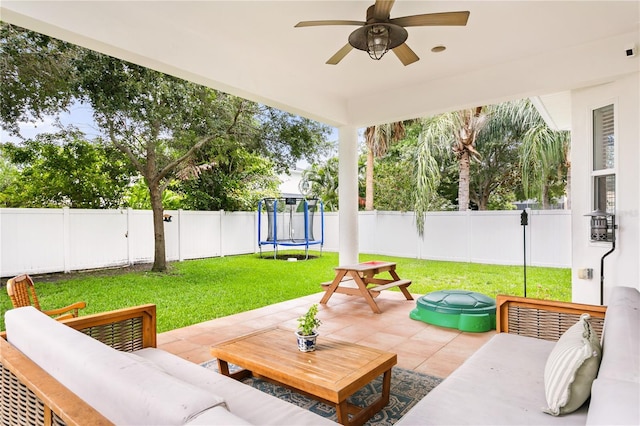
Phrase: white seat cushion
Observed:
(614, 402)
(122, 389)
(501, 384)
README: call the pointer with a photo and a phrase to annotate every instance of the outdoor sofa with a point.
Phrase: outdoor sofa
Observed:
(105, 369)
(503, 383)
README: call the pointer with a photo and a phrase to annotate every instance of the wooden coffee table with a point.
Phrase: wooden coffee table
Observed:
(331, 373)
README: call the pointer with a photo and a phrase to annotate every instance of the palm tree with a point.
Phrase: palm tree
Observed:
(378, 140)
(458, 130)
(492, 129)
(321, 181)
(543, 152)
(545, 156)
(427, 174)
(468, 124)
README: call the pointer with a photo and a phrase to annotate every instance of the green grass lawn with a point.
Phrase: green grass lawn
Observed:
(199, 290)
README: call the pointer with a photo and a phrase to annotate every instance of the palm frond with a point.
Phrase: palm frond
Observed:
(427, 179)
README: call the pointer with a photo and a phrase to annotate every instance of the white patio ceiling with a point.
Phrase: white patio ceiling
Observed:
(508, 50)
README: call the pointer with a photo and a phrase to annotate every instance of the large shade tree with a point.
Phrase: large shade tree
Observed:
(158, 121)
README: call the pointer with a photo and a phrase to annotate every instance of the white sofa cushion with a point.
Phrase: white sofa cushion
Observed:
(571, 367)
(502, 383)
(614, 402)
(620, 337)
(125, 391)
(252, 405)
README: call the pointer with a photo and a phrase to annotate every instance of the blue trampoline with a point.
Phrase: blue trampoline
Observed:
(290, 223)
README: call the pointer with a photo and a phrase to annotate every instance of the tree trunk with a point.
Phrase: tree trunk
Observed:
(160, 258)
(483, 203)
(546, 205)
(368, 205)
(463, 183)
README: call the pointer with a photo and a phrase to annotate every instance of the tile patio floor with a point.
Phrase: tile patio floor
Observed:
(421, 347)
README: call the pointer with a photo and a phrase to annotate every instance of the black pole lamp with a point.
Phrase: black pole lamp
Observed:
(524, 221)
(603, 229)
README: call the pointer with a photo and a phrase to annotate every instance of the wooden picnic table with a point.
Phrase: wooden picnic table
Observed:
(360, 280)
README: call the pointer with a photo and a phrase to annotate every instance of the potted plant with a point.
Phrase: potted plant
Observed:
(308, 329)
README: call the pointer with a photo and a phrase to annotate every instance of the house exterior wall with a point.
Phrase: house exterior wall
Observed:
(622, 267)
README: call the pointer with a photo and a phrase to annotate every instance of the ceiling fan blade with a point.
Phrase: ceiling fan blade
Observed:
(331, 22)
(405, 54)
(340, 54)
(382, 9)
(433, 19)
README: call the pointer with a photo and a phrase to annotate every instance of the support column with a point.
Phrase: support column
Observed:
(348, 195)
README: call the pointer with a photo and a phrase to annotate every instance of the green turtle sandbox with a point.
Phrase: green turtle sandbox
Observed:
(461, 309)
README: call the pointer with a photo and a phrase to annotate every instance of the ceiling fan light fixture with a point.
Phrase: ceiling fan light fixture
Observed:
(377, 39)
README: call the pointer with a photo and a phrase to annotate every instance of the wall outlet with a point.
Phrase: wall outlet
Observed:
(585, 273)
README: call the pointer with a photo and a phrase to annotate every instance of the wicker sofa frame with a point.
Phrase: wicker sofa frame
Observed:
(30, 396)
(543, 319)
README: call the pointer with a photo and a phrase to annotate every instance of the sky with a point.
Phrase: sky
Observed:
(79, 115)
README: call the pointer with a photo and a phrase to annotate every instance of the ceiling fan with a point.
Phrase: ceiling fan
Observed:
(379, 33)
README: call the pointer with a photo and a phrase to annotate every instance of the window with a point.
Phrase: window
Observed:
(603, 138)
(604, 191)
(603, 172)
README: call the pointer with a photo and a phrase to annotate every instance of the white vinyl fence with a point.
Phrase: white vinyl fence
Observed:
(56, 240)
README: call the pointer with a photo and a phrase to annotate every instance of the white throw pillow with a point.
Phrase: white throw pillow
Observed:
(571, 368)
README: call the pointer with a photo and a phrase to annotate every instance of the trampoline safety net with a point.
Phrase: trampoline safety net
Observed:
(289, 222)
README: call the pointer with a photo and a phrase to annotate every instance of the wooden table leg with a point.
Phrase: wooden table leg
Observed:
(362, 414)
(342, 412)
(403, 289)
(223, 367)
(365, 292)
(386, 388)
(334, 285)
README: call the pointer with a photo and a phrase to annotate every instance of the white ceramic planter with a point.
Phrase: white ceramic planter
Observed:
(306, 343)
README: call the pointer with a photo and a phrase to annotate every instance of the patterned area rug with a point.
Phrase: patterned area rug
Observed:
(407, 388)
